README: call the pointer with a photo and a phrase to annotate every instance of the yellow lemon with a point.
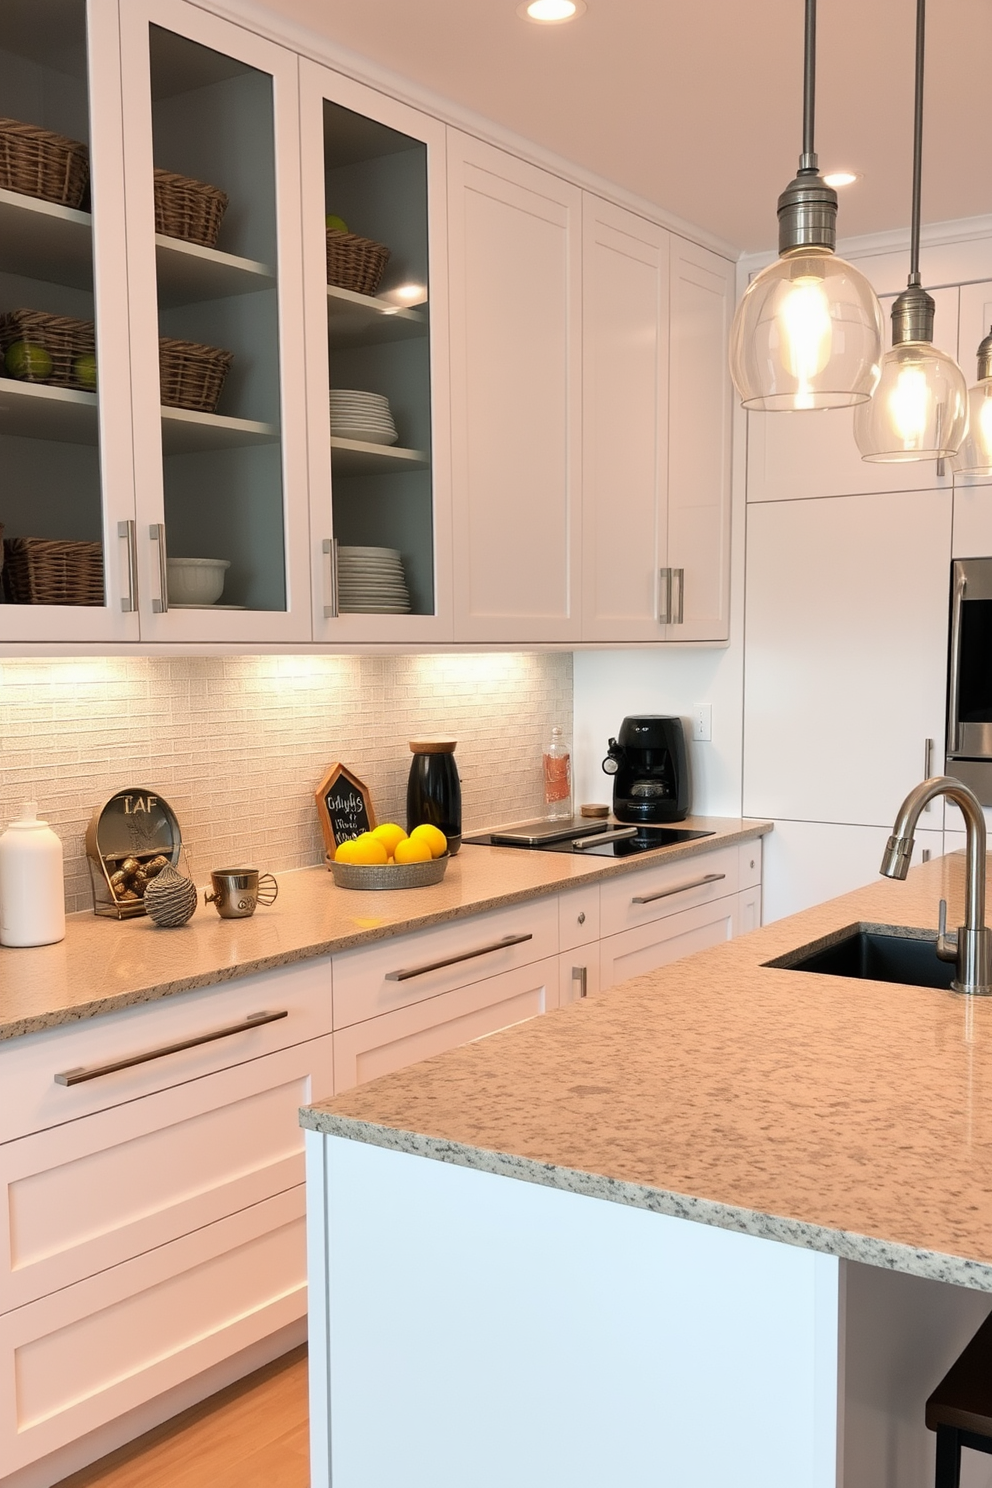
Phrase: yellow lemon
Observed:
(345, 852)
(389, 834)
(412, 850)
(362, 849)
(432, 836)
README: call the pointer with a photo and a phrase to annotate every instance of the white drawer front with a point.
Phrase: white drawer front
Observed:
(75, 1360)
(666, 889)
(390, 1042)
(33, 1100)
(95, 1192)
(396, 973)
(749, 864)
(578, 917)
(659, 943)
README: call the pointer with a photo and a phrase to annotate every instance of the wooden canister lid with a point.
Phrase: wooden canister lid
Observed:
(433, 746)
(594, 809)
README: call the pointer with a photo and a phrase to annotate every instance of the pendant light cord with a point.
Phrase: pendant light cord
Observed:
(914, 240)
(808, 161)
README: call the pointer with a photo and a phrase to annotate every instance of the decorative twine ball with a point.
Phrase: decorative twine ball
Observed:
(170, 899)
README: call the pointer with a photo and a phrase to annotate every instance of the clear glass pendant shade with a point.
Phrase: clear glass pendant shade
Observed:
(919, 410)
(975, 455)
(807, 334)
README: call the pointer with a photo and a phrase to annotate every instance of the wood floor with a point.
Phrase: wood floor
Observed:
(251, 1435)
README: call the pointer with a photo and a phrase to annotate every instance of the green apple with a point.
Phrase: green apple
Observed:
(28, 362)
(335, 224)
(84, 371)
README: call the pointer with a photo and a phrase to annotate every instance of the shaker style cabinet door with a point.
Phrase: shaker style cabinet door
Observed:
(515, 263)
(702, 298)
(625, 335)
(65, 433)
(972, 508)
(211, 115)
(377, 338)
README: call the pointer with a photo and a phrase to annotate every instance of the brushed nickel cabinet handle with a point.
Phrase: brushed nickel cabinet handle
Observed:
(682, 888)
(580, 974)
(957, 600)
(157, 534)
(497, 945)
(95, 1071)
(665, 606)
(332, 609)
(128, 531)
(679, 574)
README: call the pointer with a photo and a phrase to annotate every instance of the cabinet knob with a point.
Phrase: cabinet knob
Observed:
(582, 914)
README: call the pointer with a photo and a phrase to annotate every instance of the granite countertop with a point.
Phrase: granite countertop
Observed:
(104, 965)
(850, 1117)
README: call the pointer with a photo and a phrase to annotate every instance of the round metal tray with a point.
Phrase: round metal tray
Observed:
(389, 875)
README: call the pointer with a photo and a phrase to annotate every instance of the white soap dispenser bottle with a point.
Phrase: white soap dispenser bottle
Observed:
(32, 891)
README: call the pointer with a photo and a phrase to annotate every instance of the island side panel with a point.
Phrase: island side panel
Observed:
(479, 1329)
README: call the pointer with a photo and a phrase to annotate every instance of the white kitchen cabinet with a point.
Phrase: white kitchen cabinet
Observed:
(847, 602)
(798, 455)
(516, 401)
(660, 942)
(381, 167)
(972, 508)
(664, 888)
(807, 863)
(363, 1051)
(625, 288)
(578, 973)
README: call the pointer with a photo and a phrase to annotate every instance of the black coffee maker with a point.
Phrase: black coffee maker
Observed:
(650, 770)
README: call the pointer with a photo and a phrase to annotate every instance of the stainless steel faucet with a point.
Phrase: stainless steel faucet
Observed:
(971, 948)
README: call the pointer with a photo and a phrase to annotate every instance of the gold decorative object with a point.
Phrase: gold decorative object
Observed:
(129, 842)
(170, 899)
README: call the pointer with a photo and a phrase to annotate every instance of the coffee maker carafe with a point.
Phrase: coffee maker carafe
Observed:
(650, 770)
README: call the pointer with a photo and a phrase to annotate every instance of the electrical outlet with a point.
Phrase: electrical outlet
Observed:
(702, 722)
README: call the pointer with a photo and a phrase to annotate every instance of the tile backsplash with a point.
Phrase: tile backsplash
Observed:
(237, 744)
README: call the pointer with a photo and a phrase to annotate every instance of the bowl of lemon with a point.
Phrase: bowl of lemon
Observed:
(387, 858)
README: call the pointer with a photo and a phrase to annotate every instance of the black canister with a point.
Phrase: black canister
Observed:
(434, 792)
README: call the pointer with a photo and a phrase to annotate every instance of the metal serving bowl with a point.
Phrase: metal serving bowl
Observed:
(388, 875)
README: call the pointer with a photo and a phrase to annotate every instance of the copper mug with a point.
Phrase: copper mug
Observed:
(238, 890)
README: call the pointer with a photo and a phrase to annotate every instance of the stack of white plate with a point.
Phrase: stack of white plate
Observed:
(371, 581)
(365, 416)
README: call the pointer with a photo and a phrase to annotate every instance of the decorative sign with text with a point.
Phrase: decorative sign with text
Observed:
(344, 807)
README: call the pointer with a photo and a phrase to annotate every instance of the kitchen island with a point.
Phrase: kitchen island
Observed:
(727, 1222)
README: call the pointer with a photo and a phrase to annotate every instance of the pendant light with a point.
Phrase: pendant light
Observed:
(920, 408)
(808, 329)
(975, 456)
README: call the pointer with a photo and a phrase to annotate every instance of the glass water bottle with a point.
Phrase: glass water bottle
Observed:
(557, 778)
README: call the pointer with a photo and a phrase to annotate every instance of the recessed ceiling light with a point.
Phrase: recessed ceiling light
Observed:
(551, 12)
(842, 178)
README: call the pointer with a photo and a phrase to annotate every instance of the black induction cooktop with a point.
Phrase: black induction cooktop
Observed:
(595, 839)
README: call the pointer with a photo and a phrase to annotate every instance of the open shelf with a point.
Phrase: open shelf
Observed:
(355, 457)
(185, 432)
(188, 273)
(42, 240)
(365, 320)
(32, 410)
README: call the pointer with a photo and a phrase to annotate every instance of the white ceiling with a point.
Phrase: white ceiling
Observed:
(696, 104)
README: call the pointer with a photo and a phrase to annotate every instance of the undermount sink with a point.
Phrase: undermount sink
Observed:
(877, 953)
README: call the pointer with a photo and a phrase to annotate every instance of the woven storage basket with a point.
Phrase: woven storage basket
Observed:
(188, 209)
(355, 263)
(39, 571)
(36, 162)
(64, 338)
(191, 375)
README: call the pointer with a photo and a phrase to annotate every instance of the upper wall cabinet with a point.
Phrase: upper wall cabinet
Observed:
(214, 267)
(68, 487)
(516, 400)
(374, 230)
(794, 455)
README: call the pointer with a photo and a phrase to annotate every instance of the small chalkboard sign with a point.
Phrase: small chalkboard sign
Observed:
(344, 807)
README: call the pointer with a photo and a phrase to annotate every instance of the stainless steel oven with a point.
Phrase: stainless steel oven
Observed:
(969, 691)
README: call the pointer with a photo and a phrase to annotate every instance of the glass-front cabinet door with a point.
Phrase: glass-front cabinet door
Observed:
(374, 249)
(66, 479)
(211, 165)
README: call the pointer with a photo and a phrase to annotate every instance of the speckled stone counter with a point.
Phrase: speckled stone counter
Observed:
(845, 1116)
(104, 965)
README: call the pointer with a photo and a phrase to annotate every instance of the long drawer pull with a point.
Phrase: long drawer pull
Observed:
(694, 883)
(95, 1071)
(414, 971)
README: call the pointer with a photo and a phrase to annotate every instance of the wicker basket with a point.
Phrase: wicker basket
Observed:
(188, 209)
(355, 263)
(64, 338)
(39, 571)
(191, 375)
(36, 162)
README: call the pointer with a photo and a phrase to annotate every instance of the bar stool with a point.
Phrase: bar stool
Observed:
(960, 1409)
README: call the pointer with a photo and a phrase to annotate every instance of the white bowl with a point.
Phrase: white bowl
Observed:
(196, 581)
